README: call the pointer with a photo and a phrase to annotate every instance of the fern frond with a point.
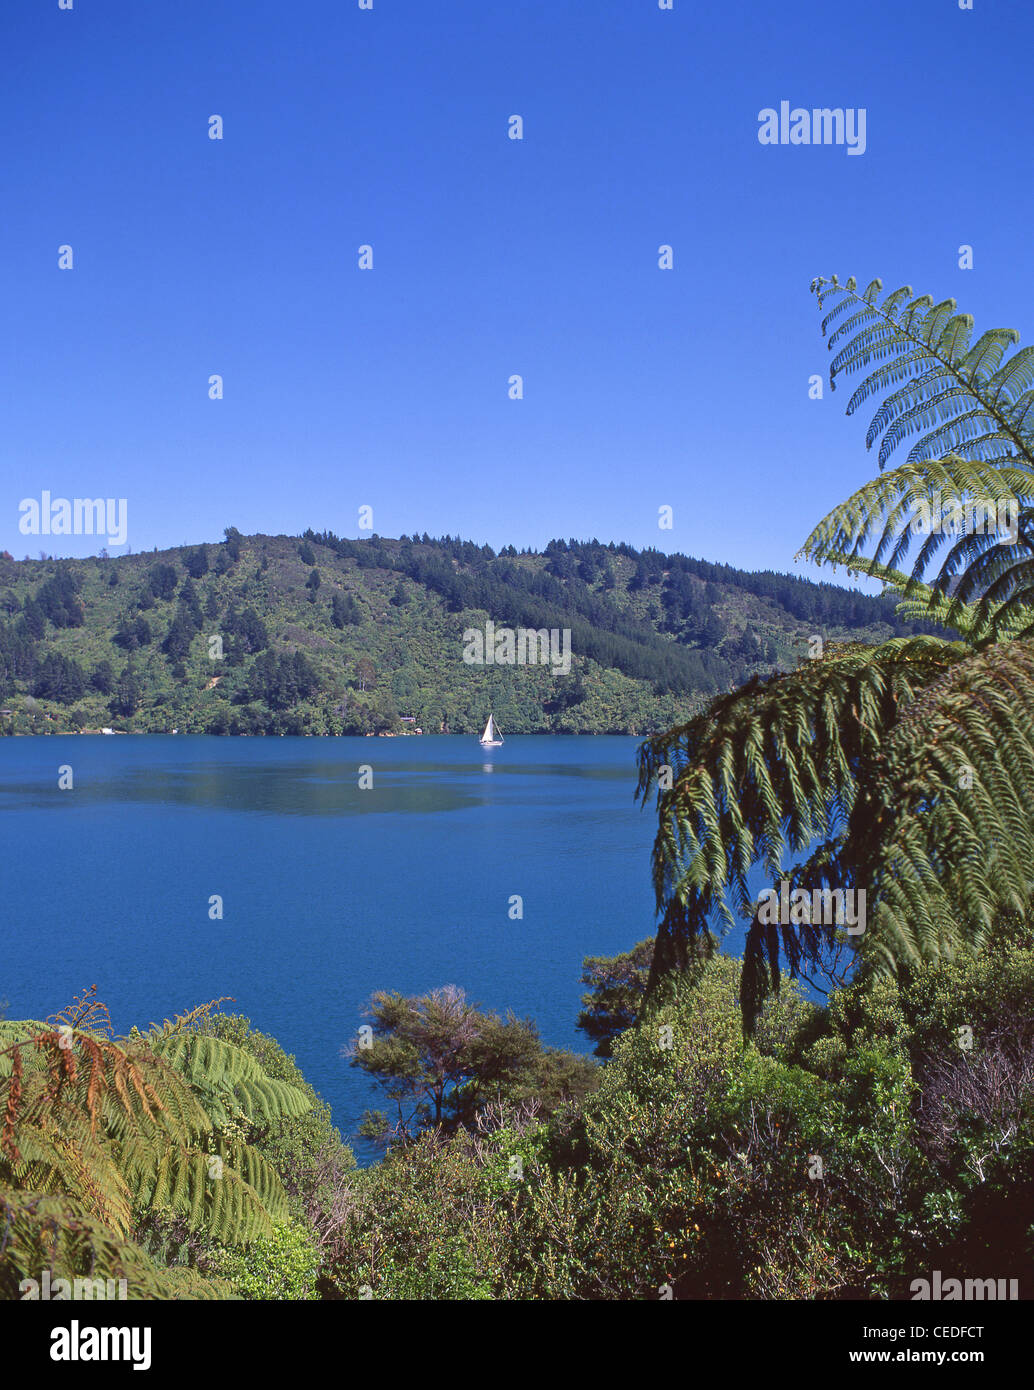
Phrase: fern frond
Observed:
(911, 763)
(903, 509)
(946, 837)
(968, 416)
(229, 1081)
(766, 771)
(40, 1232)
(146, 1122)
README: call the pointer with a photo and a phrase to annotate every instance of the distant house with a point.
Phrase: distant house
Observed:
(407, 718)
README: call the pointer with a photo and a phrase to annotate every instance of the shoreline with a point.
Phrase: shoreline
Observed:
(165, 733)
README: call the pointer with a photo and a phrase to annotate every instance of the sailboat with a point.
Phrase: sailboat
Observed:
(491, 738)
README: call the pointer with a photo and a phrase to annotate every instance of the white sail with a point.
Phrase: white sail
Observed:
(491, 734)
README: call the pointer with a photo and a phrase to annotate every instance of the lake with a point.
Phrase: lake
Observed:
(329, 892)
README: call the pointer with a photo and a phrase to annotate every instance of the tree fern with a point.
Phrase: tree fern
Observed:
(968, 417)
(905, 769)
(946, 835)
(46, 1233)
(229, 1081)
(763, 773)
(152, 1122)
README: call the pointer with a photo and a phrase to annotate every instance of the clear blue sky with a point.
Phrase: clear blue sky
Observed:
(643, 388)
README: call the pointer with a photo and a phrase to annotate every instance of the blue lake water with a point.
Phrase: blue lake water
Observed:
(330, 892)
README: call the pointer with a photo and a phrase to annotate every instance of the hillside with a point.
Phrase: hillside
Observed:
(320, 635)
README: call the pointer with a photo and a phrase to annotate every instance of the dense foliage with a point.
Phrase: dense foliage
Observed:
(842, 1152)
(269, 634)
(160, 1158)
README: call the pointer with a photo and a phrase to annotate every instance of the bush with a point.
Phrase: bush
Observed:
(283, 1267)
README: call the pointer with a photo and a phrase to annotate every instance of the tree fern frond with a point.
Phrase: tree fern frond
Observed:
(192, 1019)
(40, 1232)
(913, 339)
(229, 1081)
(114, 1127)
(983, 360)
(888, 509)
(1013, 379)
(767, 770)
(946, 837)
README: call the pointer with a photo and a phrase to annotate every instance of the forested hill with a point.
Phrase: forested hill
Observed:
(279, 634)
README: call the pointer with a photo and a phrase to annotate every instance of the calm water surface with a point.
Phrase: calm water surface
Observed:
(329, 892)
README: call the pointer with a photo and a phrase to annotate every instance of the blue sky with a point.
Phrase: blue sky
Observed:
(388, 388)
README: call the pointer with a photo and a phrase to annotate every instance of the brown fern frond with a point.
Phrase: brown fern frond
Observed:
(14, 1096)
(85, 1014)
(60, 1060)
